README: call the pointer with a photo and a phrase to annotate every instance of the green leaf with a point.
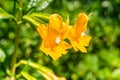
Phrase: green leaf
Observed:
(44, 16)
(32, 21)
(39, 4)
(27, 76)
(44, 71)
(37, 18)
(4, 14)
(34, 65)
(2, 55)
(48, 75)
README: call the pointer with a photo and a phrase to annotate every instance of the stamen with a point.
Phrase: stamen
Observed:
(57, 40)
(82, 34)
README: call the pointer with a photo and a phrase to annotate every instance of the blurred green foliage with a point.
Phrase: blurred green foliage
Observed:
(102, 62)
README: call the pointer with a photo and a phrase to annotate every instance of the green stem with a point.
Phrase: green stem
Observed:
(14, 7)
(14, 56)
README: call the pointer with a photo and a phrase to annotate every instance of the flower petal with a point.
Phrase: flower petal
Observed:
(42, 30)
(81, 43)
(55, 22)
(78, 46)
(44, 49)
(56, 52)
(59, 50)
(53, 30)
(81, 23)
(85, 40)
(63, 47)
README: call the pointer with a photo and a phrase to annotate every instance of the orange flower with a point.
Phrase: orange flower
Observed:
(78, 39)
(53, 36)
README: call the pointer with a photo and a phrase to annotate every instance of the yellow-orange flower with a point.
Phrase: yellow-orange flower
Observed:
(53, 36)
(78, 39)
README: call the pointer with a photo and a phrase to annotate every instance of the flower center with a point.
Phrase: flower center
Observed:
(57, 40)
(82, 34)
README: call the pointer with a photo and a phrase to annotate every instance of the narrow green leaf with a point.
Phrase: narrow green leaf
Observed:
(48, 75)
(34, 65)
(34, 20)
(42, 16)
(38, 19)
(44, 71)
(27, 76)
(44, 75)
(4, 14)
(29, 19)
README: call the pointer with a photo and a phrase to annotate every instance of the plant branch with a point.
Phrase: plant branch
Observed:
(18, 18)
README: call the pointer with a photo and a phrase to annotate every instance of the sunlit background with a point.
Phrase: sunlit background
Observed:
(101, 62)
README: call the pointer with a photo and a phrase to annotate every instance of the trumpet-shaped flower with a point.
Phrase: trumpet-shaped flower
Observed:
(78, 39)
(53, 36)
